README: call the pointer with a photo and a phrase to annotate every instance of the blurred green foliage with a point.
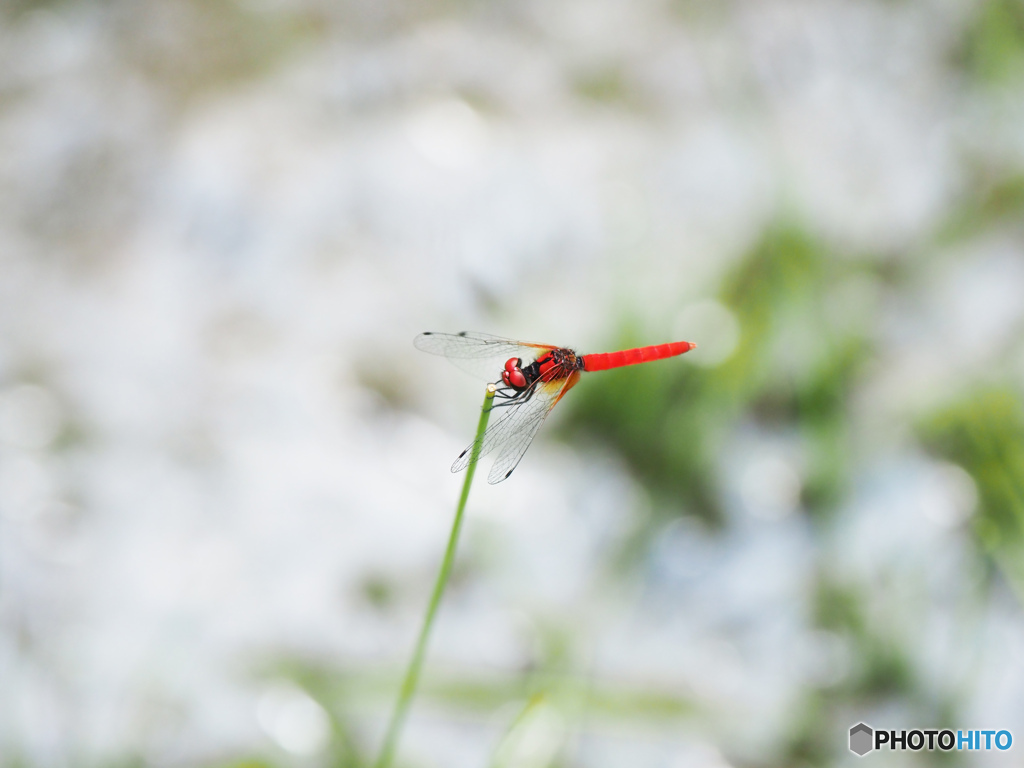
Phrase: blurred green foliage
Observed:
(794, 372)
(884, 673)
(607, 84)
(984, 433)
(992, 49)
(884, 667)
(236, 41)
(349, 695)
(670, 421)
(995, 198)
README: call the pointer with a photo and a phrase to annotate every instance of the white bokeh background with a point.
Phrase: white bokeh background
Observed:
(220, 229)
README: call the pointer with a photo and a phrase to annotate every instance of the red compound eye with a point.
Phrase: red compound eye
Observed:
(512, 375)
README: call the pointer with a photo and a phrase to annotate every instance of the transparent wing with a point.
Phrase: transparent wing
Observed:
(479, 354)
(513, 431)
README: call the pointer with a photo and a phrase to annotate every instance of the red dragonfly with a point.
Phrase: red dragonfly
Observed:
(533, 379)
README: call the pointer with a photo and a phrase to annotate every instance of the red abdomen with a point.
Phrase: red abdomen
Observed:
(606, 360)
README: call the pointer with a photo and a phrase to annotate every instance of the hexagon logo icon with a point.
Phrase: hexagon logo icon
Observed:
(861, 739)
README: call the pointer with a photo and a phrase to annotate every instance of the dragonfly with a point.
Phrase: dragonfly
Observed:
(531, 379)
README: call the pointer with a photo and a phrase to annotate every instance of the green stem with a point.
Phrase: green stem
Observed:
(412, 674)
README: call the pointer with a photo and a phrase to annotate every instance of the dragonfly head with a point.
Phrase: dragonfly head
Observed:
(513, 373)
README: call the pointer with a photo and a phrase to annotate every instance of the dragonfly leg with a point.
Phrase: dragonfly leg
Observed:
(512, 396)
(508, 395)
